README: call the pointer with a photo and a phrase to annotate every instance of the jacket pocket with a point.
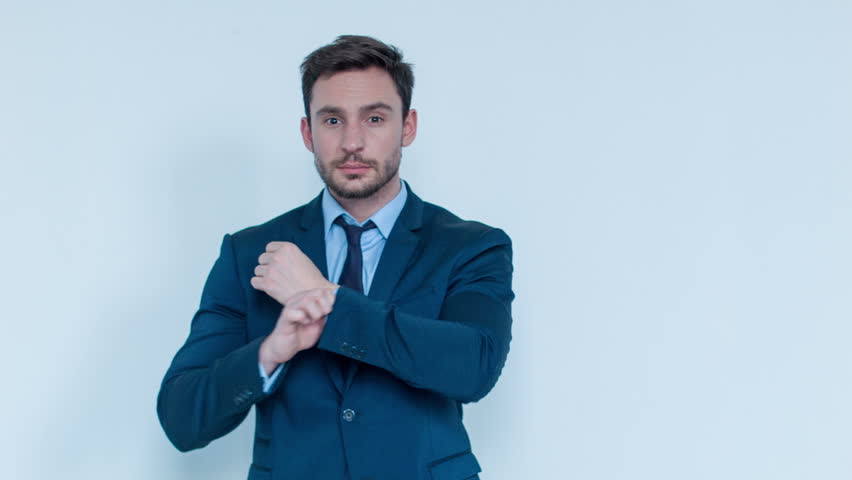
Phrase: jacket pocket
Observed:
(455, 467)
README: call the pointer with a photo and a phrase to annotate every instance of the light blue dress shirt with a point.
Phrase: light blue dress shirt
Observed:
(372, 244)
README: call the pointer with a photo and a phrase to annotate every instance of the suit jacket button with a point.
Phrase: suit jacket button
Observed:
(344, 347)
(349, 414)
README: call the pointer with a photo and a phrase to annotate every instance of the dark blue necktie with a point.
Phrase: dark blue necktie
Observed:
(353, 269)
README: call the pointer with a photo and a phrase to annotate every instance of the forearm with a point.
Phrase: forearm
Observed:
(271, 357)
(459, 355)
(198, 405)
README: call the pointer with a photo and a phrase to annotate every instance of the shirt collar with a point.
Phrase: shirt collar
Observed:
(384, 218)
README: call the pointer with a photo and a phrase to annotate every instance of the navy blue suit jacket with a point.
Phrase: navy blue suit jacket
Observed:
(432, 334)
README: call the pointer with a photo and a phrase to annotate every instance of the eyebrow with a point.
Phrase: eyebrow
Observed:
(330, 110)
(376, 106)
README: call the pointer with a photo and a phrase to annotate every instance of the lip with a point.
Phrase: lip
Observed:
(353, 167)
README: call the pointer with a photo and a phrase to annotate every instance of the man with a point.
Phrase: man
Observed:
(359, 323)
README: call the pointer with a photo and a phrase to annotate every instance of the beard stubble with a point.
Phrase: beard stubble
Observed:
(385, 172)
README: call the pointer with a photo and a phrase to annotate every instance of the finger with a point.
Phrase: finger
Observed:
(260, 270)
(274, 246)
(317, 327)
(320, 296)
(295, 315)
(314, 309)
(330, 297)
(264, 258)
(257, 283)
(325, 309)
(330, 294)
(326, 302)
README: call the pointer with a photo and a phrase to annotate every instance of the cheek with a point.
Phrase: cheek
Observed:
(325, 143)
(387, 139)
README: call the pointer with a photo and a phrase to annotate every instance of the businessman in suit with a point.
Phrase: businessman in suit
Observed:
(358, 324)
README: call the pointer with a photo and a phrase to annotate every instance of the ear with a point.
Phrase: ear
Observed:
(409, 128)
(307, 135)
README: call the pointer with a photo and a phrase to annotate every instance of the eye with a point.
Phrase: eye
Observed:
(332, 121)
(375, 119)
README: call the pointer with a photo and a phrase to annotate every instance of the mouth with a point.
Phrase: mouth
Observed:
(353, 168)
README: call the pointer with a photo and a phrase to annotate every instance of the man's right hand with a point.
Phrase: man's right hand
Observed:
(298, 328)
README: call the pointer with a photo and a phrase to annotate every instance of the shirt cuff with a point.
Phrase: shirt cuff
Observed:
(268, 380)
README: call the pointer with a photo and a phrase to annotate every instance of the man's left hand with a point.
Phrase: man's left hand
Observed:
(283, 271)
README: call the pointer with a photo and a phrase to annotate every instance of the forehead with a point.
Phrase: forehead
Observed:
(353, 89)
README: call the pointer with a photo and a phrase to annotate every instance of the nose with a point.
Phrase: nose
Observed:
(353, 138)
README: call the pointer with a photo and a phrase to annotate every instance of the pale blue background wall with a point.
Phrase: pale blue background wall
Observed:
(675, 175)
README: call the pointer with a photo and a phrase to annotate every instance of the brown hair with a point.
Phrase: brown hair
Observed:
(355, 52)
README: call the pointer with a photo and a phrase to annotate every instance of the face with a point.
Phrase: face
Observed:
(357, 132)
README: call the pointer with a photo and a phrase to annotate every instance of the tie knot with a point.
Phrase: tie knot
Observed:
(353, 232)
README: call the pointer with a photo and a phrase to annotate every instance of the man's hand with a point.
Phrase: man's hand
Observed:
(298, 328)
(283, 271)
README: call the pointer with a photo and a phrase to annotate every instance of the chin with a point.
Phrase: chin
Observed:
(357, 186)
(353, 189)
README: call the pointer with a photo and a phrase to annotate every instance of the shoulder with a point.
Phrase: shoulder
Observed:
(479, 256)
(283, 224)
(441, 224)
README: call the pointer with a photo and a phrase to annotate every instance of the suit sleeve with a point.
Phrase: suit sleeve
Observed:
(460, 354)
(213, 380)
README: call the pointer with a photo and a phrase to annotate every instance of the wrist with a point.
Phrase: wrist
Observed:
(272, 355)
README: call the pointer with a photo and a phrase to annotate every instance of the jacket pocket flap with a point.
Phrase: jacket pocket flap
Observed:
(456, 467)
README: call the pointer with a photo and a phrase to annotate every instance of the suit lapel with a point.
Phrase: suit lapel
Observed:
(399, 248)
(310, 238)
(396, 256)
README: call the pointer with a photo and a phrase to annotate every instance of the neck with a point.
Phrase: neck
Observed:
(363, 208)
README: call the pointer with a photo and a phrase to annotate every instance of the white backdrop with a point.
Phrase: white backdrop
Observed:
(675, 177)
